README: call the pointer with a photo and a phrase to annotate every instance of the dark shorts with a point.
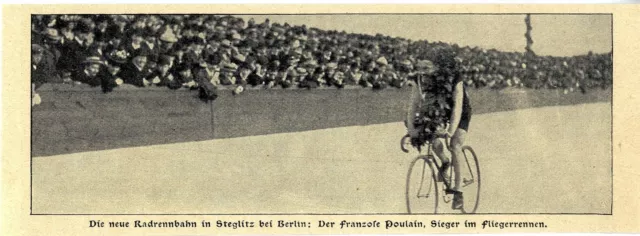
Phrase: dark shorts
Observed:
(465, 119)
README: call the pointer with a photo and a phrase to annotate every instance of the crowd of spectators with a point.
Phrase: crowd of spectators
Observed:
(207, 52)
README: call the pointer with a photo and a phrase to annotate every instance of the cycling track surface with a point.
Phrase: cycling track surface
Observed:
(545, 160)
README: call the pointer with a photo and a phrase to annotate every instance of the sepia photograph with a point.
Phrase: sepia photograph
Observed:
(321, 114)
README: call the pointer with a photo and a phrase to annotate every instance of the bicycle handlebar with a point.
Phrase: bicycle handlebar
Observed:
(434, 136)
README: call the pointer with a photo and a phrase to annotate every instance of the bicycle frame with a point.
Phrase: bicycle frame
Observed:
(430, 157)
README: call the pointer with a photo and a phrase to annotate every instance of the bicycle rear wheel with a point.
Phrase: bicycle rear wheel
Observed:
(470, 180)
(422, 188)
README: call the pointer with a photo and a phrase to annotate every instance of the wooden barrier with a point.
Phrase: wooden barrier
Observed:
(78, 119)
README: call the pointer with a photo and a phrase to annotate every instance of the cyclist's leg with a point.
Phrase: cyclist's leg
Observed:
(457, 141)
(439, 149)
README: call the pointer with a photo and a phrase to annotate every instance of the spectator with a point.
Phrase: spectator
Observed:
(271, 77)
(313, 80)
(167, 42)
(42, 66)
(136, 72)
(228, 74)
(152, 43)
(193, 53)
(137, 44)
(52, 43)
(162, 75)
(243, 74)
(210, 70)
(185, 76)
(114, 37)
(338, 79)
(115, 60)
(90, 74)
(289, 75)
(353, 75)
(102, 23)
(329, 72)
(300, 76)
(257, 77)
(377, 80)
(368, 60)
(75, 48)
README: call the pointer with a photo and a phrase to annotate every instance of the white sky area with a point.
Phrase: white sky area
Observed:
(553, 35)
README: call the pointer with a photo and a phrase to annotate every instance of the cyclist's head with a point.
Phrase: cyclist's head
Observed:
(446, 60)
(424, 67)
(446, 63)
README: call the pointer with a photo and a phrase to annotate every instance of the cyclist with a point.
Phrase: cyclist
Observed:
(440, 97)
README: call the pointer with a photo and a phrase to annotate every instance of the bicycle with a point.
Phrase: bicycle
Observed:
(428, 177)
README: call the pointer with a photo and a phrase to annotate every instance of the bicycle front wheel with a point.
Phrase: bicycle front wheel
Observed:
(470, 180)
(422, 188)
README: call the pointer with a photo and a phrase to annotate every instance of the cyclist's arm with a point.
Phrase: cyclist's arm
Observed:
(457, 107)
(414, 106)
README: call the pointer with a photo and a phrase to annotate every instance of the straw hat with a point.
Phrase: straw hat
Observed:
(382, 61)
(52, 34)
(168, 36)
(93, 60)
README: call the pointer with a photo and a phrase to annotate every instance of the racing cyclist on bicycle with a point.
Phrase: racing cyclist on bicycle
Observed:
(439, 97)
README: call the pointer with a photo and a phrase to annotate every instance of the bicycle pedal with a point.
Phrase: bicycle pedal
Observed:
(450, 191)
(447, 198)
(467, 182)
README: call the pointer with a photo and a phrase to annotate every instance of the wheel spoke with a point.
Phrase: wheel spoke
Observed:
(421, 190)
(468, 165)
(424, 165)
